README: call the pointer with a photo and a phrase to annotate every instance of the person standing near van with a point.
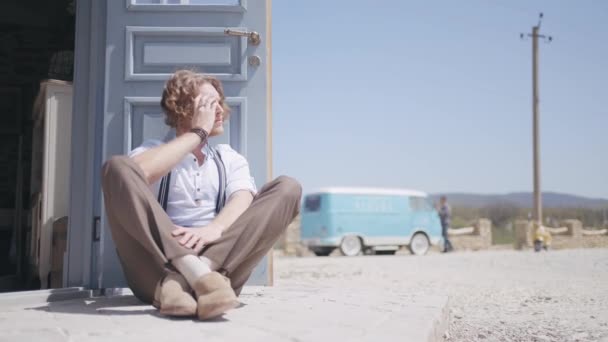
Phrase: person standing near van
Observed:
(445, 216)
(187, 220)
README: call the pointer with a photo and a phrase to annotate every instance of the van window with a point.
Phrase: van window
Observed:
(419, 204)
(312, 203)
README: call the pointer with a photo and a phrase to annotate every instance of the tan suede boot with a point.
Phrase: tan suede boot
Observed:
(173, 296)
(214, 296)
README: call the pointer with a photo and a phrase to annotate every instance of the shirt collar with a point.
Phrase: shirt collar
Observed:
(207, 151)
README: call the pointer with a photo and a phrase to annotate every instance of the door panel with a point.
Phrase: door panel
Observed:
(188, 5)
(144, 119)
(146, 41)
(153, 53)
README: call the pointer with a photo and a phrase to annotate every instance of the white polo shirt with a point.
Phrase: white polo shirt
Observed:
(194, 189)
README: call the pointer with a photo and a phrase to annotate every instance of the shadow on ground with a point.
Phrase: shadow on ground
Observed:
(115, 306)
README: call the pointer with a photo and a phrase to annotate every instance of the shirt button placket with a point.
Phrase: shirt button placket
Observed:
(198, 181)
(197, 185)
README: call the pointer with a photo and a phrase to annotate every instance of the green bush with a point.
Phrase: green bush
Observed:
(502, 236)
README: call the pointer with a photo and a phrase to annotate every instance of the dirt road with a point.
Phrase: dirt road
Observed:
(494, 295)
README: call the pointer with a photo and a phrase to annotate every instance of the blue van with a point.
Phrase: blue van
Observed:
(367, 220)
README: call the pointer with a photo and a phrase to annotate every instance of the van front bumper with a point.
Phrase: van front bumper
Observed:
(316, 242)
(335, 242)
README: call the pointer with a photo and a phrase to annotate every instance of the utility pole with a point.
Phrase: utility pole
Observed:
(538, 205)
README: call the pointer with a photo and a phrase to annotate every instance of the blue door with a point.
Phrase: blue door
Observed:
(146, 41)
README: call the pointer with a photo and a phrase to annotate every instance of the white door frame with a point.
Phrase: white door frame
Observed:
(89, 68)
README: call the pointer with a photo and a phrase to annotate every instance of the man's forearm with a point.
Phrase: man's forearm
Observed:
(158, 161)
(235, 206)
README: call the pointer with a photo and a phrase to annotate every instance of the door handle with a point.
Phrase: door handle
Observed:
(254, 37)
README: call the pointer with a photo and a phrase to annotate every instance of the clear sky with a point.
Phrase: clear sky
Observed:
(436, 95)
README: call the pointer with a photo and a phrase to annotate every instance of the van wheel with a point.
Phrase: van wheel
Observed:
(351, 245)
(419, 244)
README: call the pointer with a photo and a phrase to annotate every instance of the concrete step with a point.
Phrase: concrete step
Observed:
(281, 313)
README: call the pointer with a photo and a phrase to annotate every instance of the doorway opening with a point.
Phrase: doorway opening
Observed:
(36, 49)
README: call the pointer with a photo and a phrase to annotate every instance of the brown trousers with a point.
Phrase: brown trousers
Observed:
(141, 229)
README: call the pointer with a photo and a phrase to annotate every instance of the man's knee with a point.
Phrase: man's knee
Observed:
(290, 188)
(114, 167)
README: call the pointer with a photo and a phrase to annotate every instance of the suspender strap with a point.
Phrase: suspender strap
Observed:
(221, 171)
(163, 191)
(163, 195)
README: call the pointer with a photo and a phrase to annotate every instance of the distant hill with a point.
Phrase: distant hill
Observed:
(524, 200)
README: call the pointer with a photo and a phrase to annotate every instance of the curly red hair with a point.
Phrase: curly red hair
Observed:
(179, 93)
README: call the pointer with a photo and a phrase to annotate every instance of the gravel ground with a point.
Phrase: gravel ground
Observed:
(494, 295)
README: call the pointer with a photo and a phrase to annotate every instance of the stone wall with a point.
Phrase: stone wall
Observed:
(523, 235)
(289, 243)
(291, 238)
(472, 238)
(570, 235)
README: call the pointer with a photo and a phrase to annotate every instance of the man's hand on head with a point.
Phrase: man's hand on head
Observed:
(205, 107)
